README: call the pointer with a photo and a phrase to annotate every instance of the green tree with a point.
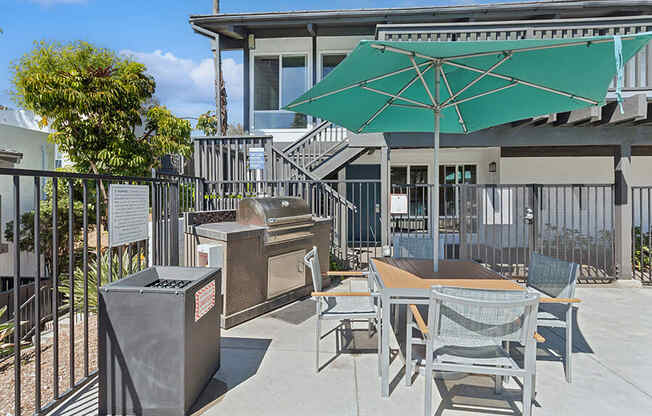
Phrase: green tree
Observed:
(95, 101)
(207, 123)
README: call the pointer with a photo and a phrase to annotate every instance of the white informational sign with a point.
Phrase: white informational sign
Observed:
(128, 213)
(399, 204)
(256, 158)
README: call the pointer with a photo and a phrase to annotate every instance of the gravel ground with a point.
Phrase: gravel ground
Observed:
(28, 376)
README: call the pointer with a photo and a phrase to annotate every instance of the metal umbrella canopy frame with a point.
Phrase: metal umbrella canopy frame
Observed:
(461, 87)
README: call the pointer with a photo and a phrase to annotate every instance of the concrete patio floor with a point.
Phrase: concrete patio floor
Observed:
(267, 367)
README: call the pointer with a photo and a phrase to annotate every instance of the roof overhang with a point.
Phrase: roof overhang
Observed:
(363, 21)
(10, 156)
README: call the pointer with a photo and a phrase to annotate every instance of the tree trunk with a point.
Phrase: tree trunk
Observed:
(224, 115)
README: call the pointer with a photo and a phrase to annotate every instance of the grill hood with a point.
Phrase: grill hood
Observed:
(266, 212)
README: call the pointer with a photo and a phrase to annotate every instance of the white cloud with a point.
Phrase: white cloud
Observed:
(186, 86)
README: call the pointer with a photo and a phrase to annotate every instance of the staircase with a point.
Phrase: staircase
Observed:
(323, 150)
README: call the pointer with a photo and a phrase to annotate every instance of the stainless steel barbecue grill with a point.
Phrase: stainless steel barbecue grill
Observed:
(261, 254)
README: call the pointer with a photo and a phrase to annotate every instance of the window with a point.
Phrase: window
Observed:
(329, 62)
(417, 195)
(449, 195)
(398, 175)
(278, 80)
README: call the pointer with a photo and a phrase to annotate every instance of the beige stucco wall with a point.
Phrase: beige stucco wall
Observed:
(570, 170)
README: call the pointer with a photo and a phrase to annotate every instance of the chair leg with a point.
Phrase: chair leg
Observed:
(527, 395)
(428, 378)
(498, 387)
(379, 329)
(408, 347)
(569, 345)
(317, 344)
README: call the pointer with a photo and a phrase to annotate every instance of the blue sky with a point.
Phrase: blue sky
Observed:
(157, 33)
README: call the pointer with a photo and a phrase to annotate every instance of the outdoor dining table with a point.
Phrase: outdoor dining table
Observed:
(408, 280)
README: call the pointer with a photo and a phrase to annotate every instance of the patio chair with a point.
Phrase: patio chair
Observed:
(342, 306)
(469, 331)
(555, 280)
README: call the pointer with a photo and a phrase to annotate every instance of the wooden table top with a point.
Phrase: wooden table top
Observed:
(406, 273)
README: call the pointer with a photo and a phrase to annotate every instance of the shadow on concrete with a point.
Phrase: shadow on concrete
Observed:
(297, 313)
(240, 360)
(82, 403)
(475, 393)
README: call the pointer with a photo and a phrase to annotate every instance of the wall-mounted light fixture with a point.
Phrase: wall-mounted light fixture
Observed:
(251, 40)
(492, 167)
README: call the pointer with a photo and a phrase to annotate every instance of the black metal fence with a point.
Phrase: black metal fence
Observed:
(488, 223)
(65, 232)
(642, 232)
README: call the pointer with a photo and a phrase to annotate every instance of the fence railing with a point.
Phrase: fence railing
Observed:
(638, 70)
(66, 232)
(642, 232)
(315, 146)
(487, 223)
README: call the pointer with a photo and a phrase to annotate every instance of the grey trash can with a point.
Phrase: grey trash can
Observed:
(159, 335)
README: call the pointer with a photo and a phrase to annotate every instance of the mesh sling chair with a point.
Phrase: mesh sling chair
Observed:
(469, 331)
(556, 279)
(342, 306)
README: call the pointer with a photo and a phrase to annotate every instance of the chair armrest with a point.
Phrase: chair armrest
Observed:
(346, 274)
(559, 300)
(335, 294)
(419, 319)
(539, 338)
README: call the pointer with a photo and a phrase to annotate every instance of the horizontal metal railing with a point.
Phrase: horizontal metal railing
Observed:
(315, 146)
(638, 71)
(487, 223)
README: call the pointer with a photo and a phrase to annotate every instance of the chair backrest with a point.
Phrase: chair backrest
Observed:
(554, 277)
(311, 260)
(478, 314)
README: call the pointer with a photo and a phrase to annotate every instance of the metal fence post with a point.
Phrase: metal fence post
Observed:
(174, 224)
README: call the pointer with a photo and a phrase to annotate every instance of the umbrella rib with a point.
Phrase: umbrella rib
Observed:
(357, 84)
(450, 93)
(384, 47)
(526, 83)
(504, 87)
(478, 79)
(423, 81)
(389, 94)
(391, 100)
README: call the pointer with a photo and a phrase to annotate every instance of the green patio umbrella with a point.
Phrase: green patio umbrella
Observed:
(461, 87)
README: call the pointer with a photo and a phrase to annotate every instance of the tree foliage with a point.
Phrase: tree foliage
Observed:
(207, 123)
(100, 107)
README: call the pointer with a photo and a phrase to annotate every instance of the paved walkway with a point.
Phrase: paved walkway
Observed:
(268, 369)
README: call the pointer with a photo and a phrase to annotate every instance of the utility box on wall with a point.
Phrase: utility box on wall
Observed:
(159, 336)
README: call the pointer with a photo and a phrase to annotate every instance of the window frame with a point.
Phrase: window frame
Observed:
(320, 61)
(458, 181)
(280, 55)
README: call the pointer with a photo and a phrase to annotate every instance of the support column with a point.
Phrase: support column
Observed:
(246, 122)
(342, 231)
(385, 192)
(623, 211)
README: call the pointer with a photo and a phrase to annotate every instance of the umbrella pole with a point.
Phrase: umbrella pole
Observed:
(435, 199)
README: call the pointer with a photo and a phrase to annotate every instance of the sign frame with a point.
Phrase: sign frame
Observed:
(128, 214)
